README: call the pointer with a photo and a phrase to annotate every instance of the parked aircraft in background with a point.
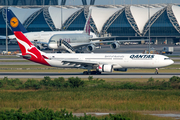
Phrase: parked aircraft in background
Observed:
(65, 39)
(100, 62)
(2, 37)
(41, 39)
(70, 41)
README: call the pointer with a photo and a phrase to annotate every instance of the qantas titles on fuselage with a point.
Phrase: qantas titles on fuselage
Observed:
(133, 56)
(142, 56)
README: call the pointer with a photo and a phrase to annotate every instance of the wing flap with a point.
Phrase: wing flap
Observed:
(80, 62)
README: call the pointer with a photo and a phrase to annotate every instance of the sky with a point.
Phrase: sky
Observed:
(121, 2)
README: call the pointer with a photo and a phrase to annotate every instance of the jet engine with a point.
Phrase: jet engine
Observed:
(91, 47)
(39, 46)
(115, 45)
(105, 68)
(121, 69)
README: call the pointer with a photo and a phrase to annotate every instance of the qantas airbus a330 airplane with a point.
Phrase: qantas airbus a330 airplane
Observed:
(106, 62)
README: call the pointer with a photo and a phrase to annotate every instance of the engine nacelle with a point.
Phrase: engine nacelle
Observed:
(44, 45)
(39, 46)
(105, 68)
(120, 69)
(115, 45)
(91, 47)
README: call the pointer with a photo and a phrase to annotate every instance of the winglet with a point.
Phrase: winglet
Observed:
(87, 27)
(14, 23)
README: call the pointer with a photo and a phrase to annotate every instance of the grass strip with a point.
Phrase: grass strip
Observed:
(92, 100)
(90, 96)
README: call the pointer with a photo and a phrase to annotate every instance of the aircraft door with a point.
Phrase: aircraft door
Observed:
(59, 43)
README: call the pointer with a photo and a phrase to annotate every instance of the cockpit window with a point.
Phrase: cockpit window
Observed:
(166, 58)
(52, 40)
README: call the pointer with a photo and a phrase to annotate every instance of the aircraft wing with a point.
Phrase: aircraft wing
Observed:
(38, 42)
(2, 37)
(106, 39)
(103, 38)
(84, 63)
(98, 42)
(110, 41)
(80, 62)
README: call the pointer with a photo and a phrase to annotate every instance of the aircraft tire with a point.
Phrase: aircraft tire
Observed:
(85, 73)
(98, 73)
(93, 72)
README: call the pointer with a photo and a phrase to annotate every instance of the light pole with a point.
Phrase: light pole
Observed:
(6, 29)
(61, 18)
(149, 23)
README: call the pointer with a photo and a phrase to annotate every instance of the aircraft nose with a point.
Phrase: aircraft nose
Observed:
(171, 62)
(50, 46)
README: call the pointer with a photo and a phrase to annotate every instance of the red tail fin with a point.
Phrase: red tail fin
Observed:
(87, 27)
(29, 51)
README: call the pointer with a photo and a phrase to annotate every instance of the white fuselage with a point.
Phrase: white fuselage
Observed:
(45, 36)
(74, 40)
(116, 60)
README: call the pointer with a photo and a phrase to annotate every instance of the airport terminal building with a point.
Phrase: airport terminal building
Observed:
(123, 21)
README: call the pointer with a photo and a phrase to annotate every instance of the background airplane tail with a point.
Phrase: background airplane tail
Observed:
(87, 27)
(29, 51)
(14, 23)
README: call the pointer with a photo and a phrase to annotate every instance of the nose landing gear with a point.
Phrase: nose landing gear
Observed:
(156, 72)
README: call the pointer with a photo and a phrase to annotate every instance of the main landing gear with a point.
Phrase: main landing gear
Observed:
(91, 73)
(156, 72)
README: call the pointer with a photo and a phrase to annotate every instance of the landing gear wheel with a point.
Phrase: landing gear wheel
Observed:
(85, 72)
(98, 73)
(93, 73)
(156, 72)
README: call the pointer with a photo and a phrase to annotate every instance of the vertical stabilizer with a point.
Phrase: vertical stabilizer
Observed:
(87, 27)
(29, 51)
(15, 24)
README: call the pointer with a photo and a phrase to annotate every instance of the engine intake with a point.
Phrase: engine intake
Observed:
(105, 68)
(114, 45)
(90, 47)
